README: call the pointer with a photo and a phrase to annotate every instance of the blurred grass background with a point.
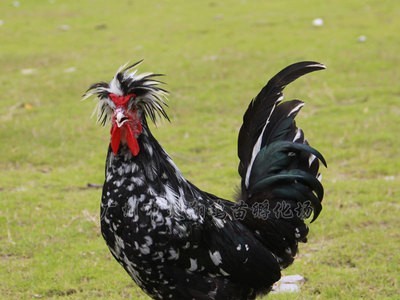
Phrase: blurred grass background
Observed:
(217, 55)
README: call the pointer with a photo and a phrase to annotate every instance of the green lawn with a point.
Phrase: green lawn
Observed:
(217, 55)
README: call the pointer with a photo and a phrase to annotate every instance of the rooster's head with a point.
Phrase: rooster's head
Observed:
(126, 101)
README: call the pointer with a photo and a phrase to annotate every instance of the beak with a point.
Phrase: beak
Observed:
(120, 118)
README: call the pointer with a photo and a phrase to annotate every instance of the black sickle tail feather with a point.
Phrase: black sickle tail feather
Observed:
(260, 108)
(278, 167)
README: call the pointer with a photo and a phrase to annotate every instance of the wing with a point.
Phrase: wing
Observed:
(222, 255)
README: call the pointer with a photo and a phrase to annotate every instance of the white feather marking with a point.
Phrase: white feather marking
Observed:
(215, 257)
(319, 177)
(218, 222)
(138, 181)
(190, 212)
(131, 270)
(144, 249)
(299, 134)
(109, 177)
(223, 272)
(149, 149)
(173, 254)
(115, 87)
(296, 109)
(311, 159)
(132, 208)
(119, 242)
(162, 203)
(257, 145)
(193, 265)
(316, 65)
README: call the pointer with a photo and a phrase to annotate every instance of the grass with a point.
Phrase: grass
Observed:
(217, 55)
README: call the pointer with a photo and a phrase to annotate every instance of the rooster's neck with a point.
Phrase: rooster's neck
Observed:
(151, 165)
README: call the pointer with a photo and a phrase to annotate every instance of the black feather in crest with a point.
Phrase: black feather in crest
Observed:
(150, 97)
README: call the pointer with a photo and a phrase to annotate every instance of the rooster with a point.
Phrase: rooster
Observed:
(179, 242)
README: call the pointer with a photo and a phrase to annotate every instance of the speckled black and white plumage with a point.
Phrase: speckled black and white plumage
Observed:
(178, 242)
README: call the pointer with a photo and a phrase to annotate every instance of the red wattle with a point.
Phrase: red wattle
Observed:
(132, 141)
(115, 139)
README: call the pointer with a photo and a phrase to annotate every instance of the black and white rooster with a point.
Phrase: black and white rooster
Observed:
(179, 242)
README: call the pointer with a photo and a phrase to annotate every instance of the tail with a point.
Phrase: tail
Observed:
(279, 170)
